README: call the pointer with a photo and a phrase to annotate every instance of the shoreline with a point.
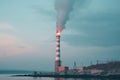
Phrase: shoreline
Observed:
(72, 76)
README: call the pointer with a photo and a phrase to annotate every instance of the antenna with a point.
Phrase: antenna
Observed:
(74, 66)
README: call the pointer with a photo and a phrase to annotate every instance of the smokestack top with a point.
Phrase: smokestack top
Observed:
(58, 33)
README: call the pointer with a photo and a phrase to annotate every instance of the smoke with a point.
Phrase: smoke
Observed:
(63, 8)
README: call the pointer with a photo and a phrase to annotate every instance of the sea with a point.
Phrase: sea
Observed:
(8, 75)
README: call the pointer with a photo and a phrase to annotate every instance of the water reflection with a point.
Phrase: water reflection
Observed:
(59, 79)
(69, 79)
(82, 79)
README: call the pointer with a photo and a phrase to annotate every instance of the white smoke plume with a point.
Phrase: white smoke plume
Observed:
(63, 8)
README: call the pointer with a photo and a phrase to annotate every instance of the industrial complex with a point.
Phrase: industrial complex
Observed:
(99, 70)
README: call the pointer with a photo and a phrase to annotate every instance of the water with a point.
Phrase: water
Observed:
(7, 76)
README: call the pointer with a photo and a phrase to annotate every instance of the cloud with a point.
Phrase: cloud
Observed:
(87, 54)
(10, 45)
(6, 26)
(72, 33)
(100, 24)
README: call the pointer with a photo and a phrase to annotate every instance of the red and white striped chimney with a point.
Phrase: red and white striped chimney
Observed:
(58, 61)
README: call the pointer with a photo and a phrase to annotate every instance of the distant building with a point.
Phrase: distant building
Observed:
(95, 71)
(80, 69)
(63, 68)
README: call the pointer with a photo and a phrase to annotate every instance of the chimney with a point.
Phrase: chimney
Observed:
(58, 61)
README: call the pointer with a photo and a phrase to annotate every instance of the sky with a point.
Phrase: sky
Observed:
(27, 34)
